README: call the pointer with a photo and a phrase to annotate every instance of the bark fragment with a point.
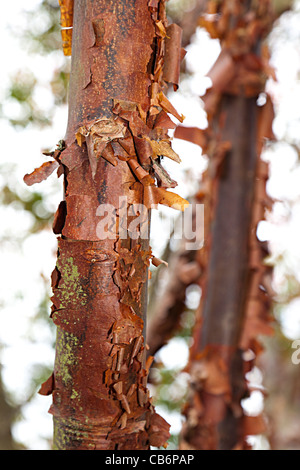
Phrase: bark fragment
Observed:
(41, 173)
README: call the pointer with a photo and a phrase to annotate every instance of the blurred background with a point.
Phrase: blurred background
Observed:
(34, 77)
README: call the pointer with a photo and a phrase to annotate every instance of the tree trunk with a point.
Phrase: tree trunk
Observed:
(117, 128)
(225, 288)
(228, 265)
(235, 297)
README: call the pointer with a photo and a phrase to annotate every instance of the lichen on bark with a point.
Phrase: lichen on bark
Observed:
(117, 127)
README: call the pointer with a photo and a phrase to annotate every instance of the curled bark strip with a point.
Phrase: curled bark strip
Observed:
(173, 55)
(254, 425)
(154, 196)
(265, 123)
(42, 173)
(97, 137)
(192, 134)
(46, 169)
(48, 386)
(163, 178)
(157, 261)
(164, 149)
(168, 107)
(59, 218)
(138, 170)
(223, 71)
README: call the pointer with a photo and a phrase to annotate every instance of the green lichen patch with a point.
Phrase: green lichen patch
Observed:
(70, 286)
(66, 346)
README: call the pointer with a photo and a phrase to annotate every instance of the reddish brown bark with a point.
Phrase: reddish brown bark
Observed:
(216, 349)
(117, 130)
(235, 299)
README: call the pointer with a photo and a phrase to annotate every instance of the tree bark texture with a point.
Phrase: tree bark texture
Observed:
(123, 55)
(236, 294)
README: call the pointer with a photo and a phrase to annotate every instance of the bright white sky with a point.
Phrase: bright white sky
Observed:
(25, 343)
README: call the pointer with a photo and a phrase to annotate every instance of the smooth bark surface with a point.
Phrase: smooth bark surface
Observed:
(228, 267)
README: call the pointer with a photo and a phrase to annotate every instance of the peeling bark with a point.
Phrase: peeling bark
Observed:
(234, 308)
(117, 128)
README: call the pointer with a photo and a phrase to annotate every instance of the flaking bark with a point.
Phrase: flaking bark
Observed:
(117, 129)
(236, 298)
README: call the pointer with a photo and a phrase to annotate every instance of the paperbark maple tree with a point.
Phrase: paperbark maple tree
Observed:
(123, 55)
(186, 266)
(236, 292)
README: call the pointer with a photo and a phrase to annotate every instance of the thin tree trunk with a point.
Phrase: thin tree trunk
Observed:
(225, 289)
(117, 130)
(235, 298)
(228, 265)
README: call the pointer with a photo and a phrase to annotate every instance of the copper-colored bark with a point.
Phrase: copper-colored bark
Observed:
(235, 299)
(228, 265)
(117, 130)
